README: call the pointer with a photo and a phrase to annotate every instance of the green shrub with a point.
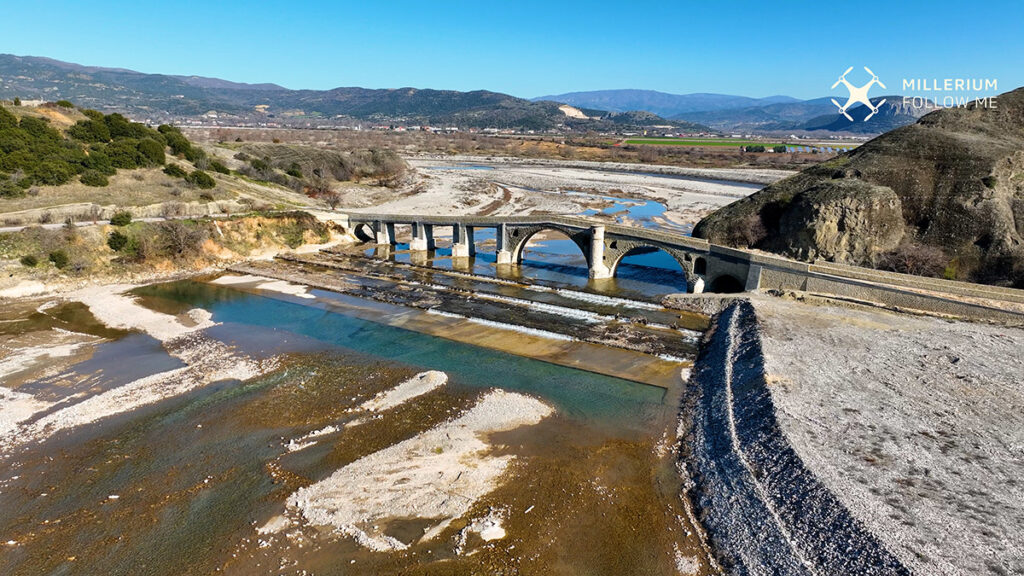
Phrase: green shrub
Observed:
(90, 130)
(122, 218)
(175, 171)
(65, 104)
(117, 241)
(94, 178)
(201, 180)
(194, 154)
(7, 120)
(29, 261)
(152, 151)
(40, 154)
(780, 149)
(60, 259)
(17, 101)
(10, 189)
(219, 168)
(51, 172)
(125, 154)
(295, 170)
(99, 161)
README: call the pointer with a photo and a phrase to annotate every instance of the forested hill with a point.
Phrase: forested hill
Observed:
(54, 144)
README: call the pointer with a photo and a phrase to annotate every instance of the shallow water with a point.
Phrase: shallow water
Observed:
(178, 487)
(261, 325)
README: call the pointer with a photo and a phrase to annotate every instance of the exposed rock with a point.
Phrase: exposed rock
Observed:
(955, 178)
(844, 220)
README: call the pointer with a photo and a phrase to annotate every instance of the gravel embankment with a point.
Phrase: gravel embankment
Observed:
(764, 511)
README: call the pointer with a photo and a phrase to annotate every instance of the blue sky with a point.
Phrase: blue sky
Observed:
(529, 48)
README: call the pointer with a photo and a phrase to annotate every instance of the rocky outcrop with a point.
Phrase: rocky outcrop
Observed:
(951, 185)
(844, 220)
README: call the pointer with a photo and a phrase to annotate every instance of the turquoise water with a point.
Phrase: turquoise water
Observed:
(263, 325)
(648, 213)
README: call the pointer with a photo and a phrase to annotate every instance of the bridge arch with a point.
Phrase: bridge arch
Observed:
(700, 266)
(726, 284)
(364, 232)
(519, 238)
(684, 268)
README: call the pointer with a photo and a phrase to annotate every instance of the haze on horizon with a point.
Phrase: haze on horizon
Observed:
(535, 48)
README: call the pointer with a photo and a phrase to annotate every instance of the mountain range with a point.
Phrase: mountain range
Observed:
(159, 97)
(811, 115)
(661, 103)
(773, 114)
(167, 98)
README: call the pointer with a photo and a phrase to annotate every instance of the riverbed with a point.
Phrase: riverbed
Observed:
(221, 424)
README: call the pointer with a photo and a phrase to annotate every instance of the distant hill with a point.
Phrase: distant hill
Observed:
(203, 82)
(810, 115)
(941, 197)
(890, 116)
(160, 98)
(660, 103)
(775, 116)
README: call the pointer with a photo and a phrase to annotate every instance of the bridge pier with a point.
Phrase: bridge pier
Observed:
(422, 237)
(462, 241)
(598, 269)
(502, 252)
(696, 285)
(384, 232)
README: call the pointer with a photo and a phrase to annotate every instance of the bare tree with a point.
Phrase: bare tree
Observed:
(180, 240)
(332, 199)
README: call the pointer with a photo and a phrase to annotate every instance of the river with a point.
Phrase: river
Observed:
(190, 483)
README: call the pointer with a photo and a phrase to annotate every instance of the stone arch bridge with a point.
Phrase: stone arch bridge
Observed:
(717, 268)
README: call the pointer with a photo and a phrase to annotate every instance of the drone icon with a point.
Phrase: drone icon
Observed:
(858, 94)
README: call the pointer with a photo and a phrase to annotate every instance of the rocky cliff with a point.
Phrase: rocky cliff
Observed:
(944, 196)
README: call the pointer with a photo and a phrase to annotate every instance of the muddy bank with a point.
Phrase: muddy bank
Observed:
(764, 511)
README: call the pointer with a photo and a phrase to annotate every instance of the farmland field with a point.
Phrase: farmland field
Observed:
(727, 142)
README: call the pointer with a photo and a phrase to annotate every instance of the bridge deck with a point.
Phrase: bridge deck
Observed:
(578, 222)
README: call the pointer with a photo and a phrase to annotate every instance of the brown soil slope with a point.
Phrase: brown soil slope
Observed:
(942, 196)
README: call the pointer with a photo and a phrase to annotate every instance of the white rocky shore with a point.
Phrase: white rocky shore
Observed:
(442, 185)
(915, 424)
